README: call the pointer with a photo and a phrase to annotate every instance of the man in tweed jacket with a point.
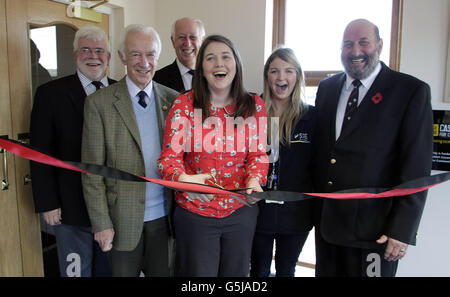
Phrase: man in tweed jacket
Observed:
(123, 129)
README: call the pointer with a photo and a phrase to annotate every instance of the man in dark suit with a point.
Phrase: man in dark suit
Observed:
(187, 37)
(56, 128)
(374, 132)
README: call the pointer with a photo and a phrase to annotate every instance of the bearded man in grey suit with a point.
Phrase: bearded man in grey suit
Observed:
(123, 129)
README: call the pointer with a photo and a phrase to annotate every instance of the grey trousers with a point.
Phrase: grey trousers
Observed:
(151, 255)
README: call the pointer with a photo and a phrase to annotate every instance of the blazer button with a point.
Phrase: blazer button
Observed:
(142, 201)
(333, 161)
(330, 183)
(164, 107)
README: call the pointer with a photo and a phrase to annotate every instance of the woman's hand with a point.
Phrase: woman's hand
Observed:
(198, 179)
(254, 186)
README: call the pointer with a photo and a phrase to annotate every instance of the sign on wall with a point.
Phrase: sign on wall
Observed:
(441, 140)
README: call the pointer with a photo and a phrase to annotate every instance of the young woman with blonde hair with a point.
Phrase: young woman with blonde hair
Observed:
(289, 223)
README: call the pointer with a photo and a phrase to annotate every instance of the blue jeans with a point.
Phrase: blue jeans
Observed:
(78, 254)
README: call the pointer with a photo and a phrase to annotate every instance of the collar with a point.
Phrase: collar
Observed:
(183, 69)
(366, 82)
(133, 89)
(85, 82)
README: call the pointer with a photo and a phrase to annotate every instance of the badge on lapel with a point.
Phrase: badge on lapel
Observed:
(164, 107)
(301, 138)
(377, 98)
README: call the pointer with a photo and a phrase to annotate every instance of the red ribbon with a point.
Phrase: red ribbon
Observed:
(408, 188)
(388, 193)
(33, 155)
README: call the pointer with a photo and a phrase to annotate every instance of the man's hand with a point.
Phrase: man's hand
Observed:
(105, 239)
(52, 217)
(395, 250)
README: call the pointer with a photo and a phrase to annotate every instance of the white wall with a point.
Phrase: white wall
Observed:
(124, 13)
(137, 11)
(242, 21)
(424, 55)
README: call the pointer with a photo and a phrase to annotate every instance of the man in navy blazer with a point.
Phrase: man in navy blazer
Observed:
(187, 37)
(55, 128)
(379, 138)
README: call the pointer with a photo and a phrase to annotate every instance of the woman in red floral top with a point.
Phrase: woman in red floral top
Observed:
(215, 134)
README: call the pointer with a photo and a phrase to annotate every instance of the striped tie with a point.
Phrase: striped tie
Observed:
(352, 103)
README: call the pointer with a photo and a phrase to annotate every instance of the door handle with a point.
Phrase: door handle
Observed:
(26, 179)
(5, 182)
(24, 138)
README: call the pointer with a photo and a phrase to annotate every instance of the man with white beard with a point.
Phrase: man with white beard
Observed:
(56, 128)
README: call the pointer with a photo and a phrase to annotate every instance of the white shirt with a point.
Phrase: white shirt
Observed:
(133, 90)
(346, 91)
(187, 78)
(88, 87)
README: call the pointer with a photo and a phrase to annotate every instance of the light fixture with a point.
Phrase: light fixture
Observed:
(84, 10)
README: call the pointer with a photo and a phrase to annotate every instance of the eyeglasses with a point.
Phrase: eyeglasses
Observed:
(89, 51)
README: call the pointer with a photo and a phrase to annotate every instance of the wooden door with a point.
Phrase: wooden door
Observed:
(10, 255)
(20, 240)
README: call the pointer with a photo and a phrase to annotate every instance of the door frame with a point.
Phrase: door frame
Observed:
(19, 15)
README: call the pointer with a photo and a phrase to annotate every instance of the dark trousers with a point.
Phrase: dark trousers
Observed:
(334, 260)
(78, 254)
(151, 255)
(212, 247)
(287, 251)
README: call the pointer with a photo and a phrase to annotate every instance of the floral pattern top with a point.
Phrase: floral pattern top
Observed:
(232, 150)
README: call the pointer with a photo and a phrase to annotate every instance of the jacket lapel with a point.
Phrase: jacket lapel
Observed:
(334, 96)
(175, 77)
(124, 107)
(380, 84)
(111, 81)
(76, 94)
(162, 108)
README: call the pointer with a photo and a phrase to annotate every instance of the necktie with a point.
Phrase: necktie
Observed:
(142, 96)
(97, 84)
(352, 103)
(191, 72)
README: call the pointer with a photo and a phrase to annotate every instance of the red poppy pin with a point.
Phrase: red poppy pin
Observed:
(377, 98)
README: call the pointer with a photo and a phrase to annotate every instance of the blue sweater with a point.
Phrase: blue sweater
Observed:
(147, 120)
